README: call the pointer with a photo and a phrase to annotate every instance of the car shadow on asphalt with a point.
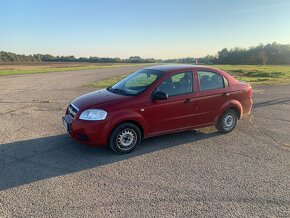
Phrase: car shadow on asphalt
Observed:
(28, 161)
(272, 102)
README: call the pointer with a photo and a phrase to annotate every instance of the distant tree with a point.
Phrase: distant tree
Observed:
(223, 56)
(263, 57)
(135, 59)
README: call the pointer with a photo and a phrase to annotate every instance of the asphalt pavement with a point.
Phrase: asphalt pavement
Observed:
(43, 173)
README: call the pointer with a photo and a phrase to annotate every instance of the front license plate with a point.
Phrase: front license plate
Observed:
(65, 124)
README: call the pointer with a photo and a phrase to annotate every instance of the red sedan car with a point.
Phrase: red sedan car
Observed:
(158, 100)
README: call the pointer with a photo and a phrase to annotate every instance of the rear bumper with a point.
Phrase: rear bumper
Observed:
(247, 107)
(94, 133)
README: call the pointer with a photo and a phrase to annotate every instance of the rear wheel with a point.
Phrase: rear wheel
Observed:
(228, 121)
(125, 138)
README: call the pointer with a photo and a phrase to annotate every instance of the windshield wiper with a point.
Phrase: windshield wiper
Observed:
(118, 91)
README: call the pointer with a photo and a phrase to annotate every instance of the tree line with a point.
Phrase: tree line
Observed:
(262, 54)
(12, 57)
(272, 53)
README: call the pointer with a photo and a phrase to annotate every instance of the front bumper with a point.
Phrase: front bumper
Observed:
(95, 133)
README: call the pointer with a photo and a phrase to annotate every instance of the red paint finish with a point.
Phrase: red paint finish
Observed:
(155, 117)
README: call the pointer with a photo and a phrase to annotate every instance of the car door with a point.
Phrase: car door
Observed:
(213, 92)
(175, 112)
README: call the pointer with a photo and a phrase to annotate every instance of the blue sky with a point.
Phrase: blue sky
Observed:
(148, 28)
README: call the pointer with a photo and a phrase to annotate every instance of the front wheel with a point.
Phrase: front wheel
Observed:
(228, 121)
(125, 138)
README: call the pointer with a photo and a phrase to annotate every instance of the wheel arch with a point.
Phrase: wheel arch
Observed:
(136, 123)
(237, 110)
(131, 117)
(231, 104)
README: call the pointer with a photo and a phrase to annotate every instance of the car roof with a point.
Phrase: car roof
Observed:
(173, 67)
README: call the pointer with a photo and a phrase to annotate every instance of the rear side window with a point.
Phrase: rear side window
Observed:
(177, 84)
(209, 80)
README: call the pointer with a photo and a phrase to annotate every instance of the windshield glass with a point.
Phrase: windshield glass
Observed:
(136, 82)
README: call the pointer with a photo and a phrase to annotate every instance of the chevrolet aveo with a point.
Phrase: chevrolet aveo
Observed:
(158, 100)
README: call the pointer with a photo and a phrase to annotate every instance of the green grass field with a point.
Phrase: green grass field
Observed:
(105, 82)
(20, 70)
(259, 75)
(254, 74)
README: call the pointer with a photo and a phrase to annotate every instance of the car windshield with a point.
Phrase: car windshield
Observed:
(136, 83)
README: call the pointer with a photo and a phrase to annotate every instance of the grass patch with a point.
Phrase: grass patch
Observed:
(259, 74)
(36, 70)
(264, 74)
(105, 83)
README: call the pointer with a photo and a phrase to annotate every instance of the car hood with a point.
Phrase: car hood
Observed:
(95, 98)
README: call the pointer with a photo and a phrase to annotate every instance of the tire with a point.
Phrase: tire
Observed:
(228, 121)
(125, 138)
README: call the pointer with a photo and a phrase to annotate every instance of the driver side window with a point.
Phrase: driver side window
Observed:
(177, 84)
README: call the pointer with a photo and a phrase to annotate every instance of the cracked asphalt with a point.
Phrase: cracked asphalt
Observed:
(202, 173)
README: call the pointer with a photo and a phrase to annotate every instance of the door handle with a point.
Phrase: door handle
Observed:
(225, 94)
(188, 101)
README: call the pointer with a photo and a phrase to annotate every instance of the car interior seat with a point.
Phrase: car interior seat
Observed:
(185, 84)
(204, 82)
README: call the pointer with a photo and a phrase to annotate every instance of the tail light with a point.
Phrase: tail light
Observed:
(250, 93)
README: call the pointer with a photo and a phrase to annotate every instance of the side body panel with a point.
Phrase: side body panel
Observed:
(210, 102)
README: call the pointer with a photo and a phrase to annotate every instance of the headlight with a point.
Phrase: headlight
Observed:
(93, 114)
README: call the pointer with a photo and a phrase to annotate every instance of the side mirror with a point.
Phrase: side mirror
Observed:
(160, 96)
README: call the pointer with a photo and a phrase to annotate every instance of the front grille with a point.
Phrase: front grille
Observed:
(72, 110)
